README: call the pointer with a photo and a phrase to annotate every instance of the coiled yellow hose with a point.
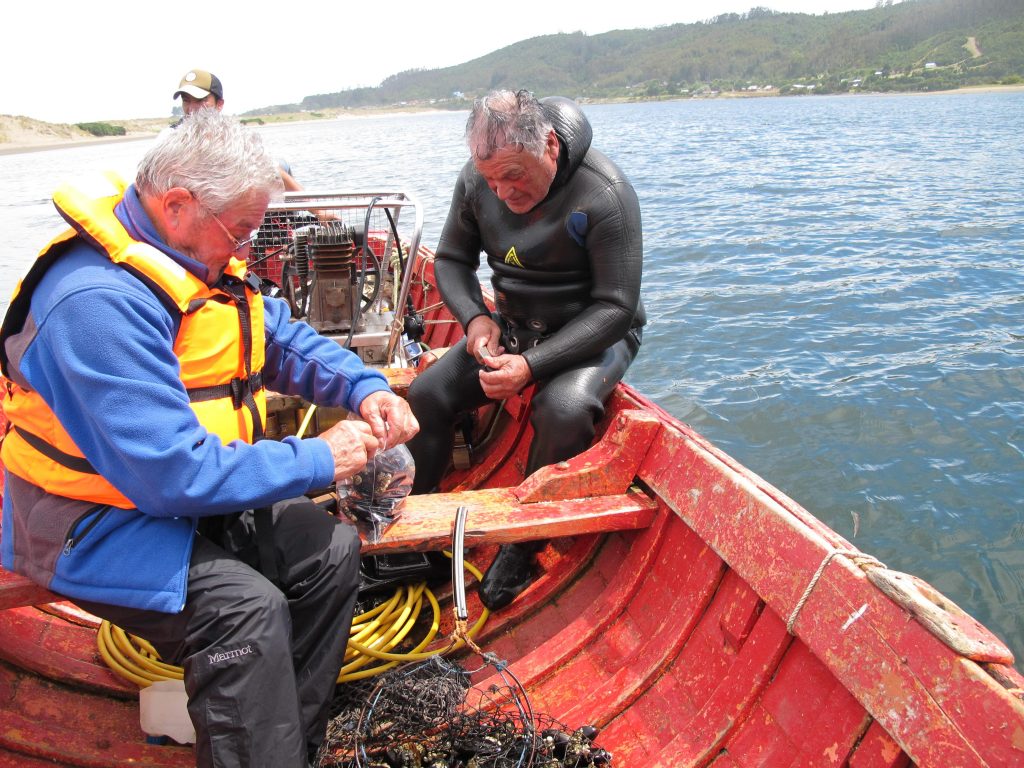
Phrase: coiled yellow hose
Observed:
(373, 637)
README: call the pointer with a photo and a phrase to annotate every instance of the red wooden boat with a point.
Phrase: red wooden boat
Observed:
(687, 608)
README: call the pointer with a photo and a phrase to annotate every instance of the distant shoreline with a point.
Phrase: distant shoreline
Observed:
(41, 142)
(42, 146)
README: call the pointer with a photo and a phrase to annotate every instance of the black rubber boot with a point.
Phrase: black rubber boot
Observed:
(509, 574)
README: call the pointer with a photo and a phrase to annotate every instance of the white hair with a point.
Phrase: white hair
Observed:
(507, 118)
(213, 156)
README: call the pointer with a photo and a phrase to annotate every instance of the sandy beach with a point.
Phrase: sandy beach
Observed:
(41, 146)
(25, 134)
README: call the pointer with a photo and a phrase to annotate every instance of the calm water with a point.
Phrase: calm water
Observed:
(835, 289)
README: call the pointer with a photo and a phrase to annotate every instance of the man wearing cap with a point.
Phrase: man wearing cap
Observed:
(200, 89)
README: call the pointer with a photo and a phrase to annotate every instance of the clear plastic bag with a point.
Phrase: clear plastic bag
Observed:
(373, 497)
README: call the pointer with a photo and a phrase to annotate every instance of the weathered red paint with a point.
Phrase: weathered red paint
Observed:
(17, 590)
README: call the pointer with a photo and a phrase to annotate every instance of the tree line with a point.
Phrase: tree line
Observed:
(895, 46)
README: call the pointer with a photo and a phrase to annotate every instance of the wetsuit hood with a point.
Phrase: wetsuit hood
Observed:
(573, 131)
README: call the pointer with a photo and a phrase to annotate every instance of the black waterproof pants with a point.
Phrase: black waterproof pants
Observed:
(566, 407)
(260, 661)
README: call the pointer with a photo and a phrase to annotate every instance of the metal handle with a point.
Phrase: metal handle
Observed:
(458, 567)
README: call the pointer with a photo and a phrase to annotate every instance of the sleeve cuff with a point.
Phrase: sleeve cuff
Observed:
(323, 462)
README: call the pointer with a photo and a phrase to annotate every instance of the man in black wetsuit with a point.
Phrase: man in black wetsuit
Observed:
(560, 225)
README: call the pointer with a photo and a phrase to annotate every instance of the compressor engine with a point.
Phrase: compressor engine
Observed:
(338, 263)
(333, 277)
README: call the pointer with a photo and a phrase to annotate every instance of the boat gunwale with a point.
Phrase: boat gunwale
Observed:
(908, 690)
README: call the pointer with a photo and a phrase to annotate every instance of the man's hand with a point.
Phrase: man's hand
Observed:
(352, 444)
(482, 337)
(508, 375)
(389, 418)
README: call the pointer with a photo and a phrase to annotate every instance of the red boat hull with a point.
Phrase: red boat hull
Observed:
(732, 629)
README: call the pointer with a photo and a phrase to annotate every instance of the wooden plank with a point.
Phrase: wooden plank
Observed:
(17, 590)
(496, 516)
(57, 649)
(944, 709)
(95, 731)
(607, 467)
(588, 612)
(731, 700)
(19, 760)
(878, 750)
(820, 720)
(399, 379)
(625, 657)
(425, 523)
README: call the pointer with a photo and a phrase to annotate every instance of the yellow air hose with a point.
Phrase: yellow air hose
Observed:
(373, 637)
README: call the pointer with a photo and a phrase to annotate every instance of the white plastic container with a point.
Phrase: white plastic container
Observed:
(163, 711)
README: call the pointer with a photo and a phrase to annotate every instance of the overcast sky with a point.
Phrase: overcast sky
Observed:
(73, 61)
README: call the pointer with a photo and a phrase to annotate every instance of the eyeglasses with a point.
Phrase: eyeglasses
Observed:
(238, 244)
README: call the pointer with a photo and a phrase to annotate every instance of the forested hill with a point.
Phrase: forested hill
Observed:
(910, 45)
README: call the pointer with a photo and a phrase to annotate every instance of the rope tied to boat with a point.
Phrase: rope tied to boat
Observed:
(860, 559)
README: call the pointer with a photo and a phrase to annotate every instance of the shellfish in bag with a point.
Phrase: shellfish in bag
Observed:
(374, 496)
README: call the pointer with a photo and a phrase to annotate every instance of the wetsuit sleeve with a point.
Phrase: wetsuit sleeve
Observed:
(457, 258)
(614, 243)
(103, 360)
(302, 362)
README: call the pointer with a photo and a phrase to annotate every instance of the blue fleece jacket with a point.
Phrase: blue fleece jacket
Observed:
(103, 360)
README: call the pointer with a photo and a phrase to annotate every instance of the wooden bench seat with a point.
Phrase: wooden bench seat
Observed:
(591, 493)
(496, 516)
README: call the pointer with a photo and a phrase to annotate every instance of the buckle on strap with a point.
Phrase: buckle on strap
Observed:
(253, 281)
(238, 389)
(242, 388)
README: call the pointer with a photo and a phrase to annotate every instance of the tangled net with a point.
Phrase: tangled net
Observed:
(430, 715)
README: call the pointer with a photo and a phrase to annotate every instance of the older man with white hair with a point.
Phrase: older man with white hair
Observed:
(138, 354)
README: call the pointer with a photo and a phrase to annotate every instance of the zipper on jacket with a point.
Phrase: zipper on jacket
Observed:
(75, 537)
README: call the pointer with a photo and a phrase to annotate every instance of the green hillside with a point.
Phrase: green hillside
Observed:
(903, 46)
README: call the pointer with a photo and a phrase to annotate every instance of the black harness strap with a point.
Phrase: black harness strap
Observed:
(238, 389)
(77, 463)
(242, 394)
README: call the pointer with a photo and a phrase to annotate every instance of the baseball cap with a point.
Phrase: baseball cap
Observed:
(198, 83)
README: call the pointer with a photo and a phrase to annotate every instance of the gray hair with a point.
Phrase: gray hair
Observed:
(507, 118)
(213, 156)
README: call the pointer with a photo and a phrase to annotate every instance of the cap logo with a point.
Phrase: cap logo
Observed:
(198, 83)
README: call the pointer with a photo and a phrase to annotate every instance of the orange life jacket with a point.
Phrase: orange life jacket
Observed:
(220, 347)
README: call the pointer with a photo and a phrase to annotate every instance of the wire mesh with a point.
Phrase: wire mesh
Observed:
(431, 715)
(344, 263)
